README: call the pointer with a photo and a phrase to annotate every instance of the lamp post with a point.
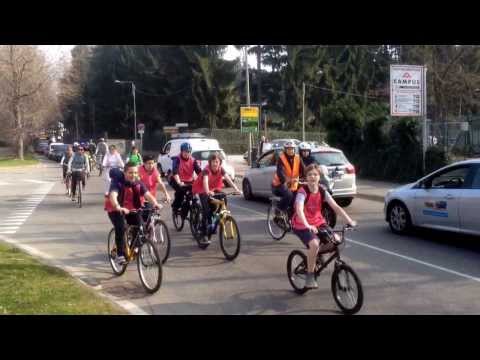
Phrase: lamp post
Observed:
(134, 106)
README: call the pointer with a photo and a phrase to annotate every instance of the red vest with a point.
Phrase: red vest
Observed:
(215, 181)
(312, 209)
(185, 169)
(150, 180)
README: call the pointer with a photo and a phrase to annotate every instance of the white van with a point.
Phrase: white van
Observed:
(200, 148)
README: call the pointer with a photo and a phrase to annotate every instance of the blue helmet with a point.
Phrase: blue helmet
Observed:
(186, 147)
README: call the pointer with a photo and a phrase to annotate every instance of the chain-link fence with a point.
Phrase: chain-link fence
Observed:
(459, 139)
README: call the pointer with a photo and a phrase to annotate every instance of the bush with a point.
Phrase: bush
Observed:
(435, 158)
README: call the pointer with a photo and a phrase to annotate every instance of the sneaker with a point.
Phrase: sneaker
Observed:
(205, 240)
(73, 198)
(121, 260)
(311, 283)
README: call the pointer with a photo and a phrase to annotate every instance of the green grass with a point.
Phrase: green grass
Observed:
(28, 287)
(12, 161)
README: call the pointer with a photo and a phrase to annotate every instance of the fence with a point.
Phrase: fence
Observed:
(233, 141)
(459, 139)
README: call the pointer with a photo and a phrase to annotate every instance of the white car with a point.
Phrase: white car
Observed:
(258, 180)
(201, 150)
(447, 199)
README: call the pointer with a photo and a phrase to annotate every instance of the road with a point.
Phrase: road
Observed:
(429, 273)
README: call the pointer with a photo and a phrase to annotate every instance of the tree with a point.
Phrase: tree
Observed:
(26, 86)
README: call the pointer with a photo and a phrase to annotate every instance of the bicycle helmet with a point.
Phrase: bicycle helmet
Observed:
(186, 147)
(101, 140)
(305, 146)
(290, 144)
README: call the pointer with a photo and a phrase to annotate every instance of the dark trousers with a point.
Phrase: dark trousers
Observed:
(180, 192)
(208, 208)
(76, 177)
(285, 194)
(118, 222)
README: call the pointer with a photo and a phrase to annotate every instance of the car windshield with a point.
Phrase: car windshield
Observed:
(330, 158)
(204, 155)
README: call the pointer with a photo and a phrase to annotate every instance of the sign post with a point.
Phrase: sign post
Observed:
(249, 122)
(408, 95)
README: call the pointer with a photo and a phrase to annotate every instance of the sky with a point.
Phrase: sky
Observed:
(56, 52)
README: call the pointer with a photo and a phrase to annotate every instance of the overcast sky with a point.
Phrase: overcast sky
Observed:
(55, 52)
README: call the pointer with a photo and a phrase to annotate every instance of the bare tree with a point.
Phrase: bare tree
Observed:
(27, 97)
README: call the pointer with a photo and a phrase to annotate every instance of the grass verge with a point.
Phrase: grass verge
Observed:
(8, 161)
(27, 287)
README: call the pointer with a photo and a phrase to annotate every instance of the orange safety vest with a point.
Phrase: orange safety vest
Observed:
(289, 172)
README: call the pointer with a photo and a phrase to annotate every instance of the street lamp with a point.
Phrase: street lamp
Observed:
(134, 106)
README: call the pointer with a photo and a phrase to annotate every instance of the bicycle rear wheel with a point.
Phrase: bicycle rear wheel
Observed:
(229, 238)
(112, 255)
(297, 271)
(149, 266)
(161, 238)
(347, 289)
(276, 232)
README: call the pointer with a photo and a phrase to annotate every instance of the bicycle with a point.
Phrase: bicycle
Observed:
(142, 249)
(99, 162)
(184, 211)
(229, 235)
(343, 289)
(159, 234)
(68, 183)
(279, 222)
(78, 191)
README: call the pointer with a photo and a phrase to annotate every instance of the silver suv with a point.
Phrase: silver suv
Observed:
(258, 179)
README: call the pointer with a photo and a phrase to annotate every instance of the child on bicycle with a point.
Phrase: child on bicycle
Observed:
(308, 222)
(210, 183)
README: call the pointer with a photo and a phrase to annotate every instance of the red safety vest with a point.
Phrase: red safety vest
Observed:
(186, 169)
(215, 181)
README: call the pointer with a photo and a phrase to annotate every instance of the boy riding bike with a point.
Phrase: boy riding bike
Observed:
(210, 183)
(309, 224)
(183, 168)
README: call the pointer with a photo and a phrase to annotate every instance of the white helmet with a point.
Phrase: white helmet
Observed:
(290, 144)
(76, 143)
(305, 146)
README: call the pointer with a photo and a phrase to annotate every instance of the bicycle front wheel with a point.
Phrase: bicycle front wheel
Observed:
(112, 255)
(149, 266)
(178, 219)
(79, 193)
(161, 238)
(297, 271)
(229, 238)
(276, 231)
(347, 289)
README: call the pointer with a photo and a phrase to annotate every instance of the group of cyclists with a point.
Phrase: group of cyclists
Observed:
(299, 181)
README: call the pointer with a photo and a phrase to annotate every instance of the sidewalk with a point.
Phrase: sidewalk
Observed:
(366, 189)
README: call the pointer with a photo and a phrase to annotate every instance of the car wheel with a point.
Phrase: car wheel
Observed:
(247, 190)
(344, 202)
(399, 218)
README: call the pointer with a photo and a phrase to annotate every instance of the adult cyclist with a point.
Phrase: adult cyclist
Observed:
(101, 150)
(286, 177)
(78, 166)
(64, 163)
(184, 167)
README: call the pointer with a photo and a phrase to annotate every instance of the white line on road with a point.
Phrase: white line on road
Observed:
(441, 268)
(250, 210)
(10, 232)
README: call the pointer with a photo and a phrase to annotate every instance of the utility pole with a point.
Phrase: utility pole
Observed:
(303, 111)
(248, 103)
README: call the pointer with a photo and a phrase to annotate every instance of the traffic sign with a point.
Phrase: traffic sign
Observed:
(141, 128)
(249, 117)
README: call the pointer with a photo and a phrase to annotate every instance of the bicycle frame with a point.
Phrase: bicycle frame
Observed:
(335, 256)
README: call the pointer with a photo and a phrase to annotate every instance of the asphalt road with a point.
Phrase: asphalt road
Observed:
(428, 273)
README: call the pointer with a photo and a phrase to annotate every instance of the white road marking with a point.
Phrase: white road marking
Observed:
(2, 183)
(7, 232)
(441, 268)
(36, 181)
(250, 210)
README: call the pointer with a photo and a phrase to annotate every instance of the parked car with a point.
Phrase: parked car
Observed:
(58, 151)
(54, 148)
(258, 179)
(201, 149)
(446, 199)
